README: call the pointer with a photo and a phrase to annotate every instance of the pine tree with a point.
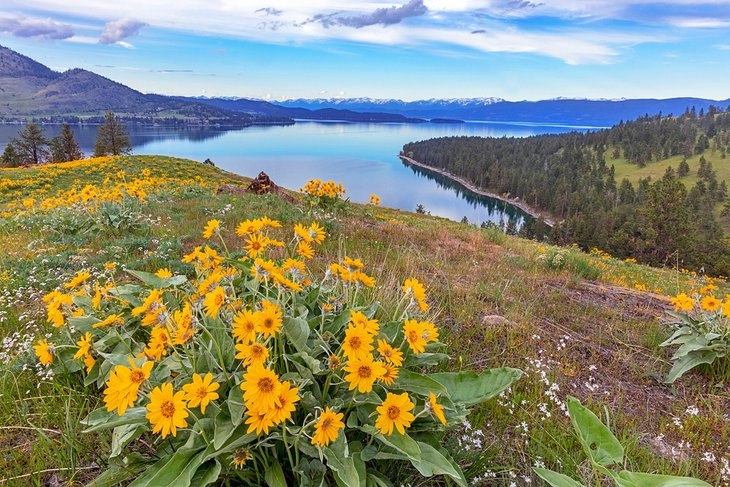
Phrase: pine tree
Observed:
(683, 169)
(31, 145)
(112, 138)
(64, 147)
(9, 157)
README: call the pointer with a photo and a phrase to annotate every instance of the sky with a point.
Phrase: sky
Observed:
(406, 49)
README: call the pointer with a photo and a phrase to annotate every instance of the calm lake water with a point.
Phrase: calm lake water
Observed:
(362, 156)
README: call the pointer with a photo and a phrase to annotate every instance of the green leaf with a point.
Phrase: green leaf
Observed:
(636, 479)
(177, 469)
(688, 362)
(150, 279)
(297, 331)
(274, 475)
(102, 419)
(418, 383)
(556, 479)
(122, 435)
(339, 460)
(224, 428)
(206, 474)
(433, 462)
(403, 443)
(470, 388)
(427, 359)
(597, 440)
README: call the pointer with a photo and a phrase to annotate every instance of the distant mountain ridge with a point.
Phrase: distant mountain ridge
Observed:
(566, 111)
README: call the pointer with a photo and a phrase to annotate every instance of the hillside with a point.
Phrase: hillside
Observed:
(578, 324)
(594, 184)
(559, 111)
(29, 89)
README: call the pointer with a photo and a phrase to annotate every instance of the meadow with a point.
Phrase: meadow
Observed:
(576, 324)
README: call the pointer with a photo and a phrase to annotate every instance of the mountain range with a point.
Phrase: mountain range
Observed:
(30, 90)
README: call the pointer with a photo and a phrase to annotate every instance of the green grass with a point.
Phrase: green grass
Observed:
(579, 324)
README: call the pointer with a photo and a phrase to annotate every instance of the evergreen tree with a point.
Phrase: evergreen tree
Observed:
(10, 156)
(31, 145)
(112, 138)
(64, 147)
(683, 169)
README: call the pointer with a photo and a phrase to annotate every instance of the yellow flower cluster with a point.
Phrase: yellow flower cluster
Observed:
(317, 187)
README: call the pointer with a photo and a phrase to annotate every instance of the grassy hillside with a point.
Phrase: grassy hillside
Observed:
(583, 325)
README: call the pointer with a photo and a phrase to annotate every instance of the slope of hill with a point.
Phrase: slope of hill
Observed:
(558, 111)
(31, 90)
(574, 322)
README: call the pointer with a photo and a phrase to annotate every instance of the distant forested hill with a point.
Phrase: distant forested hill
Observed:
(674, 212)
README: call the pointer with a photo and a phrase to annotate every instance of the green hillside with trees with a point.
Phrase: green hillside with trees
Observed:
(653, 189)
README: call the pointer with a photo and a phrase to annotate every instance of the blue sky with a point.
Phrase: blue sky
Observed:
(408, 49)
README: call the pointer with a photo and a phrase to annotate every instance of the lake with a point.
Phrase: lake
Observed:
(362, 156)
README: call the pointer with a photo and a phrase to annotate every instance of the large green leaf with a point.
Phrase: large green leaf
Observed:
(177, 469)
(274, 475)
(122, 435)
(637, 479)
(340, 461)
(223, 428)
(688, 362)
(403, 443)
(206, 474)
(470, 388)
(597, 440)
(101, 419)
(297, 331)
(556, 479)
(433, 462)
(418, 383)
(150, 279)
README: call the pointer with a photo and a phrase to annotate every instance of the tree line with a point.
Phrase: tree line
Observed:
(657, 222)
(33, 147)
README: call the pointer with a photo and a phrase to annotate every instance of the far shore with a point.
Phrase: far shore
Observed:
(471, 187)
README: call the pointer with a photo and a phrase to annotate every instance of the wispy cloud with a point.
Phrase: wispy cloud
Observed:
(698, 22)
(43, 29)
(381, 16)
(117, 30)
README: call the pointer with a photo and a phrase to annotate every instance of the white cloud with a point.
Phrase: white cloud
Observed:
(444, 23)
(698, 22)
(43, 29)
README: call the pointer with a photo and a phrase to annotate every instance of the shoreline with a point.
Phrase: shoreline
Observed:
(466, 184)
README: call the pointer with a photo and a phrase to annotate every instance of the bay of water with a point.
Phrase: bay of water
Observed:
(362, 156)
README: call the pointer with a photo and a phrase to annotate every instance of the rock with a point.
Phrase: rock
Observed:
(261, 185)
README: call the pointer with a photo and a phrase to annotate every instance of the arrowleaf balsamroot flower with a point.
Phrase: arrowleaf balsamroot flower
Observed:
(166, 410)
(252, 354)
(259, 421)
(122, 388)
(328, 427)
(358, 343)
(288, 397)
(213, 301)
(391, 355)
(395, 412)
(261, 388)
(244, 326)
(44, 351)
(80, 278)
(436, 408)
(391, 374)
(683, 302)
(201, 391)
(419, 334)
(268, 320)
(710, 303)
(84, 345)
(210, 228)
(164, 273)
(363, 372)
(414, 290)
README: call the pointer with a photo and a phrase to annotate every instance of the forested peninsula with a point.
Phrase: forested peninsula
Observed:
(672, 215)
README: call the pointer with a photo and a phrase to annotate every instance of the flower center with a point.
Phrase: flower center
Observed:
(412, 336)
(268, 323)
(202, 392)
(393, 412)
(355, 342)
(167, 409)
(326, 423)
(257, 351)
(137, 376)
(266, 385)
(364, 372)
